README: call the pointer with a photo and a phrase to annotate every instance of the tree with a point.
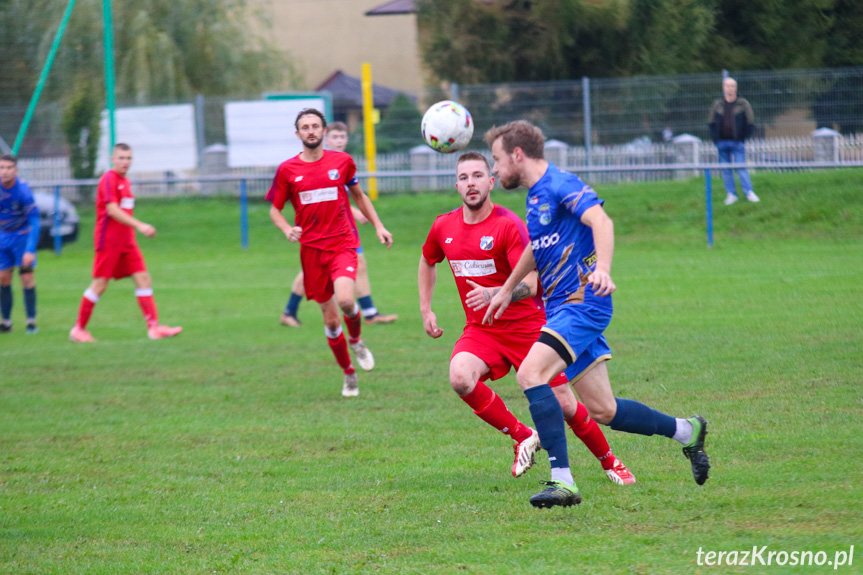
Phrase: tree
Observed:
(485, 41)
(81, 128)
(398, 130)
(400, 127)
(769, 34)
(165, 51)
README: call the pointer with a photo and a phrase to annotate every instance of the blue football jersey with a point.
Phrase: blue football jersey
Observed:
(19, 216)
(562, 245)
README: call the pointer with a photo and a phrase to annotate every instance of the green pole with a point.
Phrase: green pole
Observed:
(109, 71)
(43, 78)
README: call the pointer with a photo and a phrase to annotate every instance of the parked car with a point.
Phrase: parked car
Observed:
(69, 221)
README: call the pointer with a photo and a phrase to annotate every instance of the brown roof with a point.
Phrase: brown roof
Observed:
(347, 90)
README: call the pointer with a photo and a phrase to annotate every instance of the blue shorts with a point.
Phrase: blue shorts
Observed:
(575, 332)
(359, 250)
(595, 353)
(12, 251)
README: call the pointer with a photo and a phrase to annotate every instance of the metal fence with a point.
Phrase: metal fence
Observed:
(424, 170)
(590, 123)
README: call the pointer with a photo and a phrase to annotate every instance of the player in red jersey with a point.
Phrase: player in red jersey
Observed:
(337, 140)
(314, 183)
(117, 252)
(482, 243)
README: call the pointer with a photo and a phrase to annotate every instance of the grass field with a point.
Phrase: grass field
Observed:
(230, 450)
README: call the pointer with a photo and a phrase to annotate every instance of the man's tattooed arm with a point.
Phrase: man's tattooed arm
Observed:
(521, 291)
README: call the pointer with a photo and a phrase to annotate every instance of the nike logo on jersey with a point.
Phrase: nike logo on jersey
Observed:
(448, 241)
(298, 179)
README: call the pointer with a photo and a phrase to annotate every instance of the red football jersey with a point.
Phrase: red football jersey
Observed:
(485, 253)
(317, 192)
(110, 234)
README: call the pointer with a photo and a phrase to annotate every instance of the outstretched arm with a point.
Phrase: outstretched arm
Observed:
(368, 209)
(427, 277)
(502, 299)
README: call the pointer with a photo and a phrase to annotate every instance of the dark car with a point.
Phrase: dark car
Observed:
(68, 220)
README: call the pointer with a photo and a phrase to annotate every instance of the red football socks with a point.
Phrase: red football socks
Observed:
(148, 308)
(340, 350)
(355, 325)
(587, 430)
(84, 312)
(489, 407)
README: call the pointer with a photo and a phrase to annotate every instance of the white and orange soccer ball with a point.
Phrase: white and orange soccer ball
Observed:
(447, 127)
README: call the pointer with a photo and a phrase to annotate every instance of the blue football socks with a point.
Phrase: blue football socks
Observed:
(548, 419)
(635, 417)
(6, 301)
(293, 304)
(30, 302)
(368, 306)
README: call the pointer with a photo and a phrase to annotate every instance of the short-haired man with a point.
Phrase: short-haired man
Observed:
(117, 253)
(314, 182)
(572, 244)
(337, 140)
(731, 123)
(19, 235)
(482, 243)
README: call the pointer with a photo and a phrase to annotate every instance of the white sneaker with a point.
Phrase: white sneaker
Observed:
(351, 387)
(619, 474)
(730, 199)
(524, 454)
(750, 195)
(364, 356)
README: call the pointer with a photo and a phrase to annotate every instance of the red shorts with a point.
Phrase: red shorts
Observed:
(321, 268)
(501, 346)
(118, 263)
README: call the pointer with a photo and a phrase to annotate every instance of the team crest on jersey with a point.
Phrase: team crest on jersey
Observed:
(486, 243)
(334, 174)
(545, 214)
(533, 201)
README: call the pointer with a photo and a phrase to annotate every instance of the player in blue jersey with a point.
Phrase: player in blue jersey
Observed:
(572, 244)
(19, 234)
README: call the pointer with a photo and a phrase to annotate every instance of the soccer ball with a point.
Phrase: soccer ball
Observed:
(447, 127)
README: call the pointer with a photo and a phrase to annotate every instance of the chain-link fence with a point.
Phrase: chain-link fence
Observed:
(630, 122)
(786, 103)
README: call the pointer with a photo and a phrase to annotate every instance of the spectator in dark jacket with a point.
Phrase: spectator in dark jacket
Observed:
(731, 123)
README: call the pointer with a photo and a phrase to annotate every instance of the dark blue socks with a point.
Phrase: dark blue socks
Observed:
(6, 301)
(635, 417)
(368, 306)
(548, 419)
(30, 302)
(293, 304)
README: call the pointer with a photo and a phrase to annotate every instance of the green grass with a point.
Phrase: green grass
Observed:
(230, 450)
